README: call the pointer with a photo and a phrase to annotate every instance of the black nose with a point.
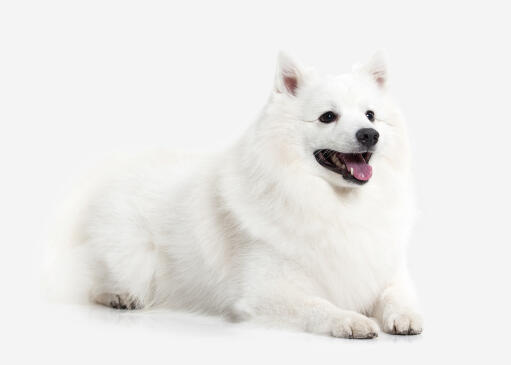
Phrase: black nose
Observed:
(368, 136)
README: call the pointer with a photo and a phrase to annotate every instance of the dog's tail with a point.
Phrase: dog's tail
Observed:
(67, 271)
(67, 276)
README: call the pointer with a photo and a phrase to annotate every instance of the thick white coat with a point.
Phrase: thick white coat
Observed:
(261, 230)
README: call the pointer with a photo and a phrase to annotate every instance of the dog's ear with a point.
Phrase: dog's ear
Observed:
(289, 77)
(377, 68)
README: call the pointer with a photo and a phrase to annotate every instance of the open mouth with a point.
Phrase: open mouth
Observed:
(353, 167)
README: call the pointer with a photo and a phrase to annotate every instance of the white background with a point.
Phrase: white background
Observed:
(80, 80)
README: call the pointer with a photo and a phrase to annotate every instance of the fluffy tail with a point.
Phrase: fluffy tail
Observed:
(66, 268)
(66, 274)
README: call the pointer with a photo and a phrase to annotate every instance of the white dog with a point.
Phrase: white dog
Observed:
(302, 222)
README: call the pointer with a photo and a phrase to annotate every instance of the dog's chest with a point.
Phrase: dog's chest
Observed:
(354, 256)
(356, 264)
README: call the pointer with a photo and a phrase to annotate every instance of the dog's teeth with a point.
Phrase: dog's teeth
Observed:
(336, 161)
(351, 171)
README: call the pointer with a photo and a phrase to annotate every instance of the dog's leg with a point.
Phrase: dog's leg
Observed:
(314, 315)
(395, 309)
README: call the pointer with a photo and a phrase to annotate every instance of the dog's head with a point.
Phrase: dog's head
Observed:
(341, 126)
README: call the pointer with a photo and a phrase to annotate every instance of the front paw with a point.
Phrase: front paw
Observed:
(403, 323)
(355, 325)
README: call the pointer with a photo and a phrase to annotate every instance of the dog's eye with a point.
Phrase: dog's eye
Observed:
(328, 117)
(370, 115)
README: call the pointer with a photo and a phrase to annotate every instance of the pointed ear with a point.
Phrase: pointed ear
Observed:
(289, 77)
(377, 68)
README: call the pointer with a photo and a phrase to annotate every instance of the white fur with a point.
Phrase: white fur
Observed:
(261, 231)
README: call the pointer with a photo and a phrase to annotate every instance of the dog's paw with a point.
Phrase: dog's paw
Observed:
(403, 323)
(118, 301)
(355, 325)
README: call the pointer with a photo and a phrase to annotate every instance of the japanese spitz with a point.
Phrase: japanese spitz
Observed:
(302, 222)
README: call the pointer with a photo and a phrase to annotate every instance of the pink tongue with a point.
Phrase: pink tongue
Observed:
(361, 170)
